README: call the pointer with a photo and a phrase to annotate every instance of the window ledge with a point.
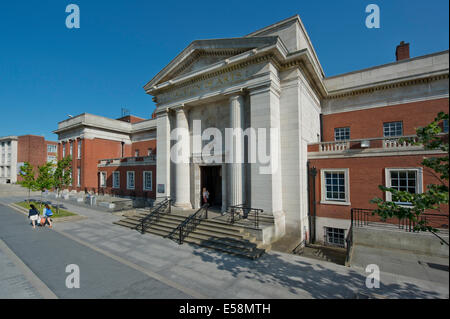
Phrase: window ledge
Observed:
(335, 203)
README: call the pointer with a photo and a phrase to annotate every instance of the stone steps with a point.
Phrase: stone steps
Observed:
(211, 234)
(171, 224)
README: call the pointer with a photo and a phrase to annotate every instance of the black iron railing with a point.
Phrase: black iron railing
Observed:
(163, 207)
(189, 224)
(239, 212)
(367, 217)
(349, 240)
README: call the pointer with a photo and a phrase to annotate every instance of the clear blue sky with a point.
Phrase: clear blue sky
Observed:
(48, 71)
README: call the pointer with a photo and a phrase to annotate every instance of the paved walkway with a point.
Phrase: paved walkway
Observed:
(105, 251)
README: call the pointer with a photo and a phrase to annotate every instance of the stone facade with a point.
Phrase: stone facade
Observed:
(272, 79)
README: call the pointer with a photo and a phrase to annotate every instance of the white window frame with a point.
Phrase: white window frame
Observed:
(79, 149)
(337, 129)
(327, 242)
(103, 178)
(419, 180)
(393, 122)
(51, 159)
(71, 149)
(51, 148)
(114, 174)
(144, 186)
(78, 176)
(324, 200)
(128, 180)
(63, 150)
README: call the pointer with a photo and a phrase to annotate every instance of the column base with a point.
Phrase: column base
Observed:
(184, 206)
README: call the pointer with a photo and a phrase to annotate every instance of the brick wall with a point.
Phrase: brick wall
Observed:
(368, 123)
(365, 174)
(143, 147)
(139, 175)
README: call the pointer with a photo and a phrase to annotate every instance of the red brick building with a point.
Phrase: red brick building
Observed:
(36, 150)
(92, 140)
(366, 113)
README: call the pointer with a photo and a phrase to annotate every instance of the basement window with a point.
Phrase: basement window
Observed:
(335, 236)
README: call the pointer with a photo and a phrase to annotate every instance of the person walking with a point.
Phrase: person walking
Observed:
(205, 195)
(33, 215)
(47, 214)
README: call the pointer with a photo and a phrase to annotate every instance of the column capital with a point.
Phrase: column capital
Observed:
(161, 112)
(235, 94)
(268, 86)
(178, 108)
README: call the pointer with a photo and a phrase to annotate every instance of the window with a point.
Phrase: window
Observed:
(63, 150)
(445, 126)
(393, 129)
(79, 149)
(130, 180)
(150, 151)
(51, 159)
(342, 134)
(404, 179)
(335, 236)
(51, 148)
(335, 186)
(102, 179)
(136, 153)
(116, 179)
(71, 149)
(79, 177)
(148, 181)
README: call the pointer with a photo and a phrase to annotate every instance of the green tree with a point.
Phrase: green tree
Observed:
(432, 138)
(28, 178)
(45, 178)
(62, 175)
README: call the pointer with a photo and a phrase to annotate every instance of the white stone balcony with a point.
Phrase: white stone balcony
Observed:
(390, 146)
(128, 161)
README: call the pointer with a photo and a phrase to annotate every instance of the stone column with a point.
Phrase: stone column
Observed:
(236, 168)
(162, 154)
(266, 186)
(182, 167)
(224, 187)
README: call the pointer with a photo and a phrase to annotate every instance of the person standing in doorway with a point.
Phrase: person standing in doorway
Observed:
(205, 195)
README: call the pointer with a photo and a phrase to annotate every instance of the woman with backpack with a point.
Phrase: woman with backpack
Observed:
(33, 215)
(47, 214)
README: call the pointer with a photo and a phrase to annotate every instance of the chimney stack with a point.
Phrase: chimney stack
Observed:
(402, 51)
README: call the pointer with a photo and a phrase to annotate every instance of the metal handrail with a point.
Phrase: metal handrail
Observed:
(235, 210)
(363, 217)
(189, 224)
(155, 214)
(349, 240)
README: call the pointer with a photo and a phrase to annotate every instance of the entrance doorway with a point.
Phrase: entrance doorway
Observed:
(211, 179)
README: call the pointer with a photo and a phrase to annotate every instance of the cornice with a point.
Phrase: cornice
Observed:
(386, 86)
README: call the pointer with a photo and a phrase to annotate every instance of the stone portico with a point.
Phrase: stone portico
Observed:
(270, 79)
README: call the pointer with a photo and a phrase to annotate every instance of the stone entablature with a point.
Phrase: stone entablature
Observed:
(432, 65)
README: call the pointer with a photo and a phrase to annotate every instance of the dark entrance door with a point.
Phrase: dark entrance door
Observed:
(211, 179)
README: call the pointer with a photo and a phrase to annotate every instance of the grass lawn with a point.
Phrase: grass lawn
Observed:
(62, 212)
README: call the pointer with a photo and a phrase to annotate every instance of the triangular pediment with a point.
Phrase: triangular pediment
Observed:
(202, 53)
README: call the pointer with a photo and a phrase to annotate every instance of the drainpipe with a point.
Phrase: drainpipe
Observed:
(308, 190)
(312, 172)
(122, 143)
(321, 126)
